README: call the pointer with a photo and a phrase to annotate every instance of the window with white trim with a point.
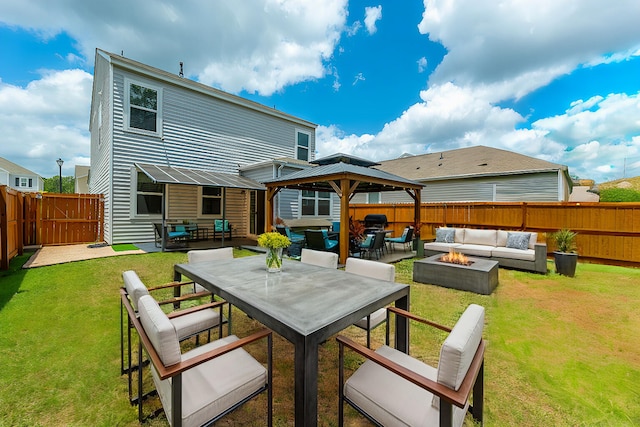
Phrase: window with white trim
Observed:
(210, 201)
(303, 142)
(148, 196)
(143, 108)
(316, 203)
(373, 198)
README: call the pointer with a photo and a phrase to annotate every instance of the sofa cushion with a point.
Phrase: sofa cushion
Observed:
(473, 236)
(502, 252)
(196, 322)
(533, 240)
(440, 247)
(501, 238)
(160, 330)
(459, 235)
(445, 235)
(518, 240)
(475, 250)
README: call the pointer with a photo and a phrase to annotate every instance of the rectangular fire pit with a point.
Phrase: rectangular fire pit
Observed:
(480, 277)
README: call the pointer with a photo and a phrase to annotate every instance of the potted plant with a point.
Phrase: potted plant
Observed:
(565, 255)
(274, 242)
(356, 234)
(418, 245)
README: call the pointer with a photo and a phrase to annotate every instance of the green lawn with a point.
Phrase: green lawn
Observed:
(561, 351)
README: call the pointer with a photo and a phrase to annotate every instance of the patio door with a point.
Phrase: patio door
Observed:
(256, 212)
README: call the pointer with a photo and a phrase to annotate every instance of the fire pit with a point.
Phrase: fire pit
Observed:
(479, 275)
(456, 258)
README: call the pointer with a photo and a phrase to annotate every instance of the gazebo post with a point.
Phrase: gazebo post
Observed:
(344, 220)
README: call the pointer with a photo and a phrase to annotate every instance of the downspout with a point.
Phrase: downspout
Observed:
(278, 174)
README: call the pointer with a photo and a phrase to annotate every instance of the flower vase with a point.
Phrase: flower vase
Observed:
(274, 260)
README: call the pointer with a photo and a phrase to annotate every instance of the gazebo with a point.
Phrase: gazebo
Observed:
(346, 176)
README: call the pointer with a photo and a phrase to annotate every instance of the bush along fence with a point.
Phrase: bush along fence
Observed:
(607, 232)
(47, 219)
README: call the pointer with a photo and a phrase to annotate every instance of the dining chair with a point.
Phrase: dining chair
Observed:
(202, 385)
(393, 388)
(319, 240)
(188, 322)
(374, 245)
(375, 270)
(319, 258)
(405, 239)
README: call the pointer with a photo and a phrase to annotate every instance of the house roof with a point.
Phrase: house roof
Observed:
(369, 179)
(286, 161)
(467, 162)
(175, 79)
(172, 175)
(14, 168)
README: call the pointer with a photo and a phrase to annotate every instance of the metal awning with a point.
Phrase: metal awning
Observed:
(173, 175)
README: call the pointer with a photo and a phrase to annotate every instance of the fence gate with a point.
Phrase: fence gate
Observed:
(70, 218)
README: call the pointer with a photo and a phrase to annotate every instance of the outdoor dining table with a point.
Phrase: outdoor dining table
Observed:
(304, 304)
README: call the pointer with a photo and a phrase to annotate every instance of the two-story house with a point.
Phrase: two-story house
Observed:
(19, 178)
(167, 147)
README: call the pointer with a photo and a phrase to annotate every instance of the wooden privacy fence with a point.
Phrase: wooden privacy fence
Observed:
(607, 232)
(47, 219)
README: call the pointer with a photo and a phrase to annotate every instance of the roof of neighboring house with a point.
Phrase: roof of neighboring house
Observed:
(175, 79)
(14, 168)
(467, 162)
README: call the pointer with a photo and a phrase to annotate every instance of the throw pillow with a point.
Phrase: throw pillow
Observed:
(445, 235)
(518, 241)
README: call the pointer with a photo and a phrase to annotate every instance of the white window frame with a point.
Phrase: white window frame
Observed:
(201, 196)
(127, 108)
(379, 198)
(308, 147)
(134, 198)
(316, 199)
(24, 182)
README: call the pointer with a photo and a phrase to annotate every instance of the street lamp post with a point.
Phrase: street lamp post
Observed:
(60, 162)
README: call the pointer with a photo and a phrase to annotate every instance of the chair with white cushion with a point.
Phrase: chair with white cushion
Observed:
(319, 258)
(204, 384)
(188, 322)
(375, 270)
(204, 255)
(392, 388)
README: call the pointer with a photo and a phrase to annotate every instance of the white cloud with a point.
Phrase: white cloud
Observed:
(259, 45)
(358, 78)
(45, 120)
(371, 16)
(422, 64)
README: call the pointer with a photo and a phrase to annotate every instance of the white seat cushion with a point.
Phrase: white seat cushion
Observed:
(160, 330)
(526, 255)
(193, 323)
(134, 286)
(440, 246)
(390, 399)
(214, 386)
(319, 258)
(475, 250)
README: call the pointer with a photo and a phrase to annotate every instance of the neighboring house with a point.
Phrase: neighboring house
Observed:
(19, 178)
(145, 116)
(477, 174)
(82, 179)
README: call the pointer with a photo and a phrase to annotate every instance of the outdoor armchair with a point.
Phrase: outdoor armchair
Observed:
(319, 240)
(171, 238)
(392, 388)
(376, 270)
(405, 239)
(204, 384)
(189, 322)
(222, 227)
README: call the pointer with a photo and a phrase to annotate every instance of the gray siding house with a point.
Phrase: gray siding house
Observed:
(19, 178)
(143, 115)
(477, 174)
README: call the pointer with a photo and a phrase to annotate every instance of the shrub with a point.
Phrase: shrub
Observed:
(619, 195)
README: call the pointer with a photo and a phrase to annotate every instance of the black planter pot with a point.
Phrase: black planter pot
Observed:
(566, 263)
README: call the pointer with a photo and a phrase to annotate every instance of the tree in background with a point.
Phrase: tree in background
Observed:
(52, 185)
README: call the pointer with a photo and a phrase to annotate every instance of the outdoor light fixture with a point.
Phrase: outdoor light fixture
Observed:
(60, 162)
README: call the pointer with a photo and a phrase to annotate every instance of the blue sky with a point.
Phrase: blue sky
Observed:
(557, 80)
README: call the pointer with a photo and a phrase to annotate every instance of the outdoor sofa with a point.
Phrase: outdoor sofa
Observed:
(513, 249)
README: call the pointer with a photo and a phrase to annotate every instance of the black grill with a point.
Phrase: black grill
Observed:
(375, 221)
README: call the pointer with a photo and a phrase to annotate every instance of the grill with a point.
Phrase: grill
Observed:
(375, 221)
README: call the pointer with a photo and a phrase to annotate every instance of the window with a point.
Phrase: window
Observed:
(302, 145)
(30, 182)
(148, 196)
(316, 203)
(143, 108)
(17, 182)
(373, 198)
(211, 201)
(23, 182)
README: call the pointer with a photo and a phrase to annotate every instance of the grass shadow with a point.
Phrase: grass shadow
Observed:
(11, 279)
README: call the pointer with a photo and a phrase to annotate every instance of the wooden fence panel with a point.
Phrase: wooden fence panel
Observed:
(71, 218)
(606, 231)
(11, 243)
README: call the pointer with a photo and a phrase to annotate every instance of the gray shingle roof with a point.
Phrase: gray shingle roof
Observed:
(466, 162)
(14, 168)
